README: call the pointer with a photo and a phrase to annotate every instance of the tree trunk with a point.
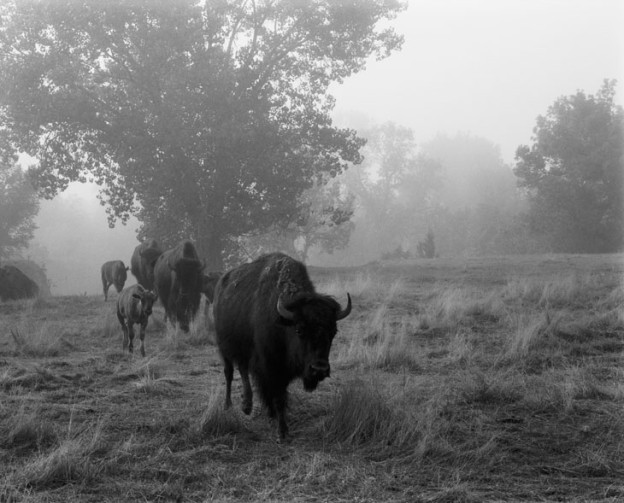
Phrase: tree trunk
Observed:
(210, 247)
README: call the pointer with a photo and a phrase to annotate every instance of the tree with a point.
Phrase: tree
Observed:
(207, 120)
(19, 206)
(478, 201)
(393, 188)
(324, 222)
(574, 171)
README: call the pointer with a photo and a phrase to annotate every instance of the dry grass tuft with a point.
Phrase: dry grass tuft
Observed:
(71, 461)
(216, 421)
(380, 342)
(39, 339)
(26, 431)
(362, 417)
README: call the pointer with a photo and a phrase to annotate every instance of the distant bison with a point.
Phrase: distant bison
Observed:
(114, 272)
(269, 320)
(134, 306)
(142, 262)
(14, 284)
(178, 283)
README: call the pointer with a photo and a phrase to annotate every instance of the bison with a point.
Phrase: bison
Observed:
(14, 284)
(134, 305)
(114, 272)
(270, 321)
(178, 283)
(142, 262)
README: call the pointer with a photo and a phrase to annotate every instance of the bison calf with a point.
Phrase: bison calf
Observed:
(271, 322)
(114, 272)
(134, 305)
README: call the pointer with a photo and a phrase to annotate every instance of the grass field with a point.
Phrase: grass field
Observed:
(471, 380)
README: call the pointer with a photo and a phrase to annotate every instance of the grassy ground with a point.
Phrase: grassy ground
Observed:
(474, 380)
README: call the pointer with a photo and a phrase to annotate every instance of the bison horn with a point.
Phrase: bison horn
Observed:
(283, 312)
(343, 313)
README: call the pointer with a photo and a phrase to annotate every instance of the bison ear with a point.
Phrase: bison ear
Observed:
(136, 296)
(286, 317)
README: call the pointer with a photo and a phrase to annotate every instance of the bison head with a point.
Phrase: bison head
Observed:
(189, 275)
(147, 299)
(313, 318)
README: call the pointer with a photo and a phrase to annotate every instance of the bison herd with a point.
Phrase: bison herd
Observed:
(269, 320)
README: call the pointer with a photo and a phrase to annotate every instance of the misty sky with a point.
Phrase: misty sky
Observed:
(485, 67)
(489, 67)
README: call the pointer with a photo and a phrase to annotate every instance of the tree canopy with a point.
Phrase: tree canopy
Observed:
(574, 173)
(205, 119)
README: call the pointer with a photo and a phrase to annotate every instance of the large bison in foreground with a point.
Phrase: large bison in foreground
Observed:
(178, 283)
(143, 261)
(14, 284)
(114, 272)
(271, 322)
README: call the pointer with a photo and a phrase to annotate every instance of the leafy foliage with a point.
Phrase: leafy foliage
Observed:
(18, 207)
(206, 120)
(574, 173)
(324, 221)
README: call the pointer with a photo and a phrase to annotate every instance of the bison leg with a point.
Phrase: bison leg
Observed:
(124, 331)
(142, 336)
(228, 370)
(131, 337)
(247, 392)
(280, 403)
(105, 287)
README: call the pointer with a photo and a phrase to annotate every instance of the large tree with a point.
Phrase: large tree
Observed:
(574, 173)
(206, 119)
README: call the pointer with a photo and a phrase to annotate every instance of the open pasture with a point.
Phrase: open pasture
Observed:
(495, 379)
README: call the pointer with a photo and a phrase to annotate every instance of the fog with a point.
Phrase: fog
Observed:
(481, 67)
(73, 240)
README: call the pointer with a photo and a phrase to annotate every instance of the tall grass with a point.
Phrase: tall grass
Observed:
(39, 339)
(450, 307)
(70, 461)
(364, 418)
(380, 341)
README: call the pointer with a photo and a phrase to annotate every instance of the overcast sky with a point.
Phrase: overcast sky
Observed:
(489, 67)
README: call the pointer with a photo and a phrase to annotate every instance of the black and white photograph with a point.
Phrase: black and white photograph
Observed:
(312, 251)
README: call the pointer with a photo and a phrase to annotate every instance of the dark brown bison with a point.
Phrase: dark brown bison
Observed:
(114, 272)
(271, 322)
(142, 262)
(178, 283)
(14, 284)
(134, 305)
